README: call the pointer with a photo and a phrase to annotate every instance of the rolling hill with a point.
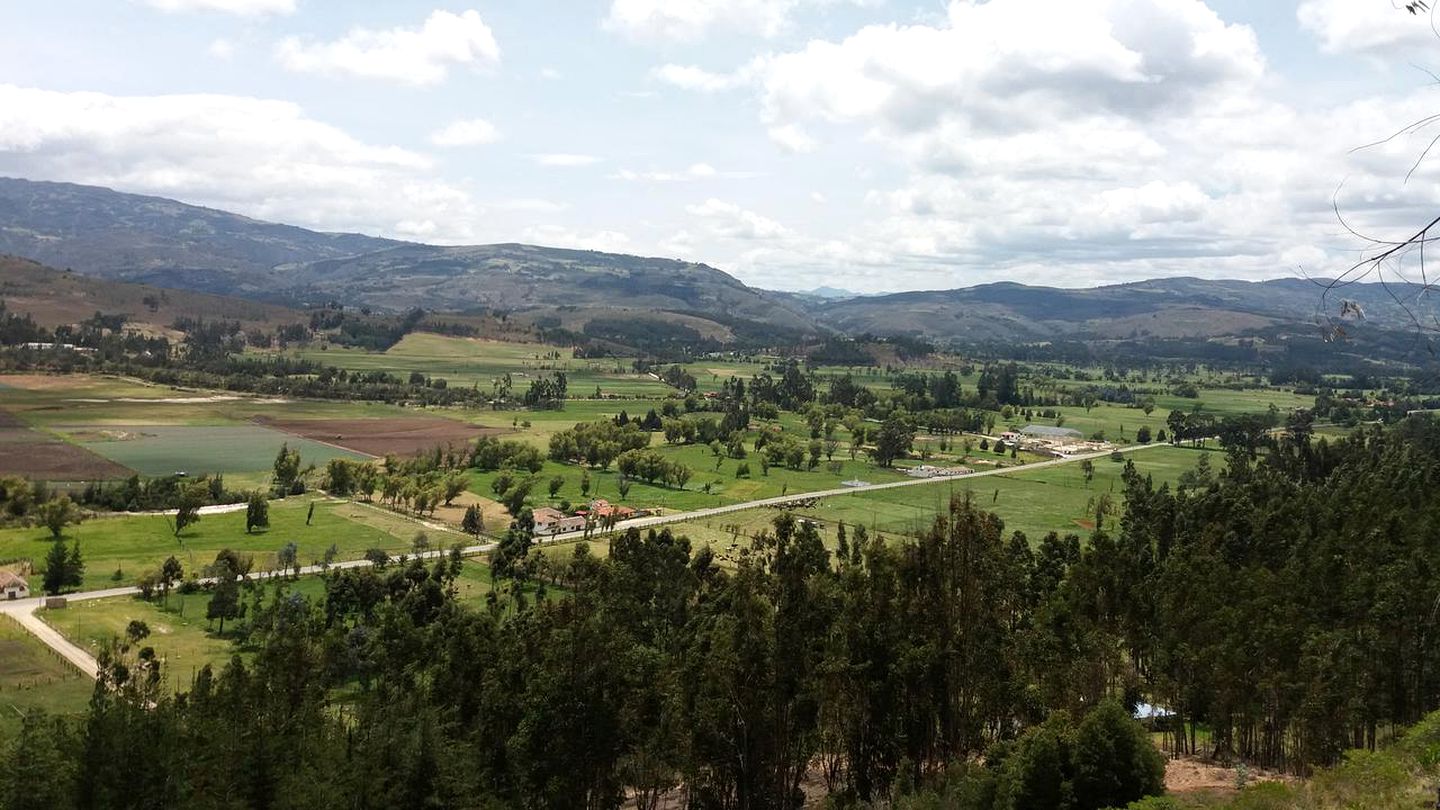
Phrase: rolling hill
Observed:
(1159, 308)
(129, 237)
(55, 298)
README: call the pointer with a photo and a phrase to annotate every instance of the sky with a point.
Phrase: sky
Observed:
(869, 145)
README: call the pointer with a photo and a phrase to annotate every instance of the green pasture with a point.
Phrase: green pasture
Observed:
(179, 633)
(478, 362)
(166, 449)
(1032, 501)
(134, 544)
(34, 677)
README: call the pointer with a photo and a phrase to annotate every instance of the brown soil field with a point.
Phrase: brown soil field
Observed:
(32, 454)
(402, 436)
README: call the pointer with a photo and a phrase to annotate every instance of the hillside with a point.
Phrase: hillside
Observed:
(621, 299)
(100, 232)
(1160, 308)
(54, 298)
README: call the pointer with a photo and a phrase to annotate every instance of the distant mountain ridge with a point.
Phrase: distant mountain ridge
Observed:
(130, 237)
(1160, 308)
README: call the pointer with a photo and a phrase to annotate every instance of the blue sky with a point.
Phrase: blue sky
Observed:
(867, 144)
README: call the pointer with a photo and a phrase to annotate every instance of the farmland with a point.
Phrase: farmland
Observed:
(471, 362)
(165, 449)
(127, 546)
(1035, 502)
(35, 678)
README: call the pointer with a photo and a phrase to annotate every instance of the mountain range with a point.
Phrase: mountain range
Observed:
(153, 240)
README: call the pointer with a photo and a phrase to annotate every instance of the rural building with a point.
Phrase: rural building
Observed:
(13, 586)
(553, 521)
(602, 509)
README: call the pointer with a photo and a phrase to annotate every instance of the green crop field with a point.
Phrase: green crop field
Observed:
(35, 678)
(478, 362)
(165, 449)
(134, 544)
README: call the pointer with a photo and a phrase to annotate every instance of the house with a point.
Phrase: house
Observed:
(13, 586)
(553, 521)
(601, 509)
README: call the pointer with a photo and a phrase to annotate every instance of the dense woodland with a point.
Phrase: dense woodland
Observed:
(1282, 607)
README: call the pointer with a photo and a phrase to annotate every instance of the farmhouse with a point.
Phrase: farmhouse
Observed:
(13, 586)
(602, 509)
(553, 521)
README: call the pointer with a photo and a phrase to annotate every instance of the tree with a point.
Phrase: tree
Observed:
(1115, 762)
(58, 513)
(228, 569)
(893, 439)
(622, 485)
(56, 577)
(288, 558)
(187, 511)
(137, 631)
(257, 512)
(455, 484)
(472, 524)
(1087, 469)
(555, 485)
(171, 572)
(286, 477)
(514, 500)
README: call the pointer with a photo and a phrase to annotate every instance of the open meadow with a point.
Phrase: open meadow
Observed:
(34, 677)
(117, 550)
(1035, 502)
(472, 362)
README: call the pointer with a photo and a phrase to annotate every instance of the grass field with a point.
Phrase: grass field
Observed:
(34, 678)
(1032, 501)
(165, 449)
(473, 361)
(179, 633)
(135, 544)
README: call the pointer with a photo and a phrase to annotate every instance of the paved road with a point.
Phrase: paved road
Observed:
(23, 610)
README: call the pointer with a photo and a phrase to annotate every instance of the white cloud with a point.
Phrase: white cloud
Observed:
(550, 74)
(684, 20)
(259, 157)
(471, 132)
(792, 138)
(733, 222)
(695, 171)
(560, 236)
(248, 8)
(417, 56)
(564, 159)
(687, 20)
(222, 49)
(1345, 26)
(690, 77)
